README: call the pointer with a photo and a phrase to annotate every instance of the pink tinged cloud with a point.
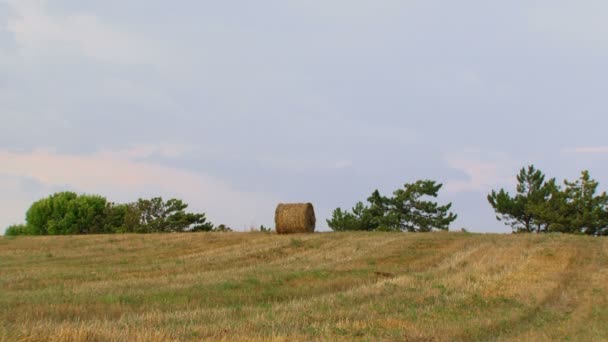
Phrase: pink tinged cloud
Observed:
(109, 173)
(37, 29)
(482, 176)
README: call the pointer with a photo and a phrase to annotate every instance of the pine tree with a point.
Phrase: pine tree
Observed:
(410, 209)
(588, 212)
(521, 211)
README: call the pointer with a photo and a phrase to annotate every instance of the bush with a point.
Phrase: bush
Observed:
(265, 229)
(16, 229)
(66, 213)
(222, 229)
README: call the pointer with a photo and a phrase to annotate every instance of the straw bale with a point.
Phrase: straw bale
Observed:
(293, 218)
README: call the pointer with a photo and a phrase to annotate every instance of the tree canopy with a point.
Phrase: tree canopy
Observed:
(69, 213)
(411, 209)
(544, 206)
(156, 215)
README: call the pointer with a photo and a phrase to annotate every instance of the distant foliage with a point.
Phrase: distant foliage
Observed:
(222, 229)
(521, 211)
(543, 206)
(17, 229)
(123, 218)
(410, 209)
(69, 213)
(265, 229)
(157, 216)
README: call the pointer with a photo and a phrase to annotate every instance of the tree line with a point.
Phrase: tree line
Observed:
(67, 213)
(538, 206)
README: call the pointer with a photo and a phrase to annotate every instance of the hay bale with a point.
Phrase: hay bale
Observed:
(292, 218)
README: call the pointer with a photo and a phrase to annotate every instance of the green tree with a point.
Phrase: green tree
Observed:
(379, 216)
(43, 215)
(542, 206)
(550, 214)
(17, 229)
(359, 219)
(122, 218)
(67, 213)
(587, 212)
(157, 215)
(414, 213)
(222, 228)
(410, 209)
(521, 211)
(87, 215)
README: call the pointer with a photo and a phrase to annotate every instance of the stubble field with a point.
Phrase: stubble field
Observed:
(327, 286)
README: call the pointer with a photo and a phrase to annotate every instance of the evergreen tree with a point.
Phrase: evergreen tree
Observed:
(408, 210)
(359, 219)
(551, 214)
(588, 212)
(521, 211)
(157, 215)
(416, 214)
(541, 206)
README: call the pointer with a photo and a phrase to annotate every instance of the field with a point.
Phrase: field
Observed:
(329, 286)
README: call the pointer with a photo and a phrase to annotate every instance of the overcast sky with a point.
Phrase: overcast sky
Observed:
(235, 106)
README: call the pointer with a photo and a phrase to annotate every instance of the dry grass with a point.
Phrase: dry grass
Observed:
(335, 286)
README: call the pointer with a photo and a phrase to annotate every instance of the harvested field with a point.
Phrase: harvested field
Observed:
(328, 286)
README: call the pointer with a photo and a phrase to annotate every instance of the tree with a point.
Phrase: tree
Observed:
(379, 214)
(222, 228)
(67, 213)
(408, 210)
(541, 206)
(587, 212)
(122, 218)
(360, 219)
(265, 229)
(415, 214)
(550, 214)
(170, 216)
(17, 229)
(521, 211)
(87, 215)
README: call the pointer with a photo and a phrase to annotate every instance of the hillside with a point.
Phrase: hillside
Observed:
(330, 286)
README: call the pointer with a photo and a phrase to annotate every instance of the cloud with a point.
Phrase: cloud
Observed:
(481, 175)
(120, 175)
(581, 21)
(141, 151)
(342, 164)
(304, 163)
(36, 29)
(588, 149)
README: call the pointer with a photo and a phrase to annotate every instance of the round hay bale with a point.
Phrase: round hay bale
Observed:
(293, 218)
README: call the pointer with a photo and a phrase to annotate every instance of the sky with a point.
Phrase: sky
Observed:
(235, 106)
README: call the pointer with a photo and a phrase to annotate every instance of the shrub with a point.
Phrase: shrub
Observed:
(221, 229)
(16, 229)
